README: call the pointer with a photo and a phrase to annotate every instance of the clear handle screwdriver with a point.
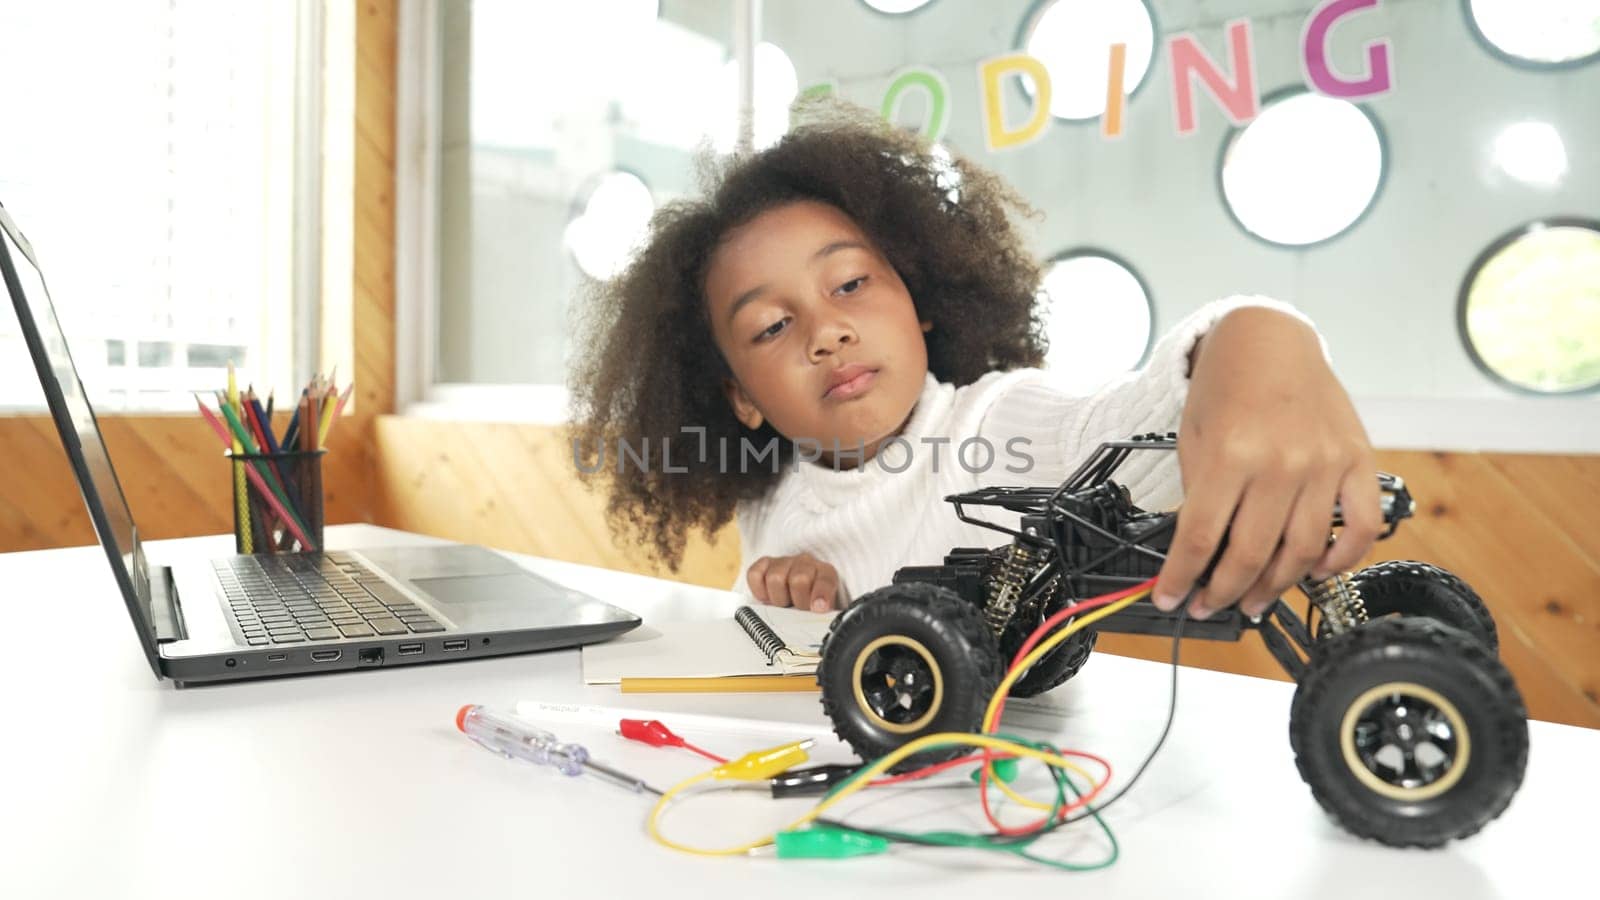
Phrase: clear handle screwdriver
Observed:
(514, 739)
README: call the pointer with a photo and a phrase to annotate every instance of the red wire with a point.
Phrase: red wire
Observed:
(1043, 631)
(987, 756)
(708, 755)
(1031, 827)
(935, 769)
(1033, 640)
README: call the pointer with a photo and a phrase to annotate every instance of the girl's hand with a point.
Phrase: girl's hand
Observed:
(1269, 440)
(802, 581)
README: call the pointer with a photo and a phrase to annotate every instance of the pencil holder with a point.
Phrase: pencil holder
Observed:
(277, 501)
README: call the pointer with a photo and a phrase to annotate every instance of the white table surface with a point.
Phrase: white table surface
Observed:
(357, 784)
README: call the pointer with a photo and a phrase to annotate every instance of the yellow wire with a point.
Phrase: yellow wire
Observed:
(863, 778)
(653, 824)
(1050, 643)
(990, 717)
(859, 782)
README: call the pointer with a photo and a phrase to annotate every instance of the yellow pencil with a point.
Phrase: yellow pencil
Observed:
(329, 405)
(731, 684)
(241, 497)
(338, 408)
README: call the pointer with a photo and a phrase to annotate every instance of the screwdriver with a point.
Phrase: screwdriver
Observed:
(515, 739)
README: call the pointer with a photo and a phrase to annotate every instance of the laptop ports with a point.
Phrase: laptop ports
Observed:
(277, 657)
(410, 649)
(326, 655)
(451, 646)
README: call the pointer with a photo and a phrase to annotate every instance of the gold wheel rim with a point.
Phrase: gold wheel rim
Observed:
(915, 646)
(1357, 767)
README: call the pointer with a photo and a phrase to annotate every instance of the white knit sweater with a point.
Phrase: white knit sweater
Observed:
(890, 512)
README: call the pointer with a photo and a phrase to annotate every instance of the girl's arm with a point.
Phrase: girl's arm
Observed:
(1268, 440)
(767, 576)
(1056, 430)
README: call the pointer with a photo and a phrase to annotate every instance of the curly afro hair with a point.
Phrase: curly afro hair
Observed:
(647, 367)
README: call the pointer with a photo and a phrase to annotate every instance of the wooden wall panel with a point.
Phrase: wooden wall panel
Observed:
(514, 487)
(1519, 528)
(175, 481)
(172, 472)
(373, 234)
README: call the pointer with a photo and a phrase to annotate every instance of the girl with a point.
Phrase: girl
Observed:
(825, 344)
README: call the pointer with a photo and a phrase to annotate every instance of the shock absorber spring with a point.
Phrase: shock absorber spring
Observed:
(1339, 599)
(1007, 583)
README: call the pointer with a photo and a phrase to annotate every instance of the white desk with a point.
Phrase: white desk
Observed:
(357, 784)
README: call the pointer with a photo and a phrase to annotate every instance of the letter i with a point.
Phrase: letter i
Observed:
(1111, 122)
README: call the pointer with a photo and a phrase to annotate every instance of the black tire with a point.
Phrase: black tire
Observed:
(884, 640)
(1403, 587)
(1057, 666)
(1358, 700)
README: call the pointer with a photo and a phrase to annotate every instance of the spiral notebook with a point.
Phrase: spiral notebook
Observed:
(763, 640)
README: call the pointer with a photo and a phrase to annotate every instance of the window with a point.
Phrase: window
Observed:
(1530, 308)
(552, 132)
(775, 85)
(1546, 34)
(213, 356)
(896, 7)
(155, 354)
(153, 168)
(611, 222)
(1098, 319)
(1304, 170)
(1531, 152)
(1338, 202)
(1073, 41)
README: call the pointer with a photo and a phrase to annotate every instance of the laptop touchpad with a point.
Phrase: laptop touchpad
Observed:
(512, 598)
(482, 593)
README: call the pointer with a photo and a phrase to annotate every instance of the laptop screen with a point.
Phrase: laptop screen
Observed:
(75, 420)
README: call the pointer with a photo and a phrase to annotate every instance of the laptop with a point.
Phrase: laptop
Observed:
(243, 617)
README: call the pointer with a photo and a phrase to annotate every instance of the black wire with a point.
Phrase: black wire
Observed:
(1166, 728)
(1089, 811)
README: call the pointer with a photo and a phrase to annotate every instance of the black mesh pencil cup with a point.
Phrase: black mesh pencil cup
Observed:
(281, 509)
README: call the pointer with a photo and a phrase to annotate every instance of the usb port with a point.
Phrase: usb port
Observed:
(454, 645)
(326, 655)
(277, 657)
(410, 649)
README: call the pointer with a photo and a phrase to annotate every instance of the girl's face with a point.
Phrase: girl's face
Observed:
(818, 328)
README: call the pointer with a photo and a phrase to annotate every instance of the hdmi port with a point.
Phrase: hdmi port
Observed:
(326, 655)
(454, 645)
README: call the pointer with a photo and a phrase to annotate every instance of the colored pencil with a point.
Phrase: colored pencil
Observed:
(729, 684)
(333, 417)
(241, 497)
(262, 429)
(214, 422)
(250, 473)
(292, 433)
(285, 507)
(266, 494)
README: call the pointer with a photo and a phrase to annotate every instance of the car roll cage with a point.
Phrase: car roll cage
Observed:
(1286, 635)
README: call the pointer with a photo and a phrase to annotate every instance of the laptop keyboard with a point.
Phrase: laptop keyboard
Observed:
(295, 598)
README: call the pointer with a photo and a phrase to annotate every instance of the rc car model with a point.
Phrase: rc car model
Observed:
(1404, 723)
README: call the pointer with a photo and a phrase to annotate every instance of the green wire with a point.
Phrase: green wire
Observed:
(1116, 848)
(983, 841)
(1019, 844)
